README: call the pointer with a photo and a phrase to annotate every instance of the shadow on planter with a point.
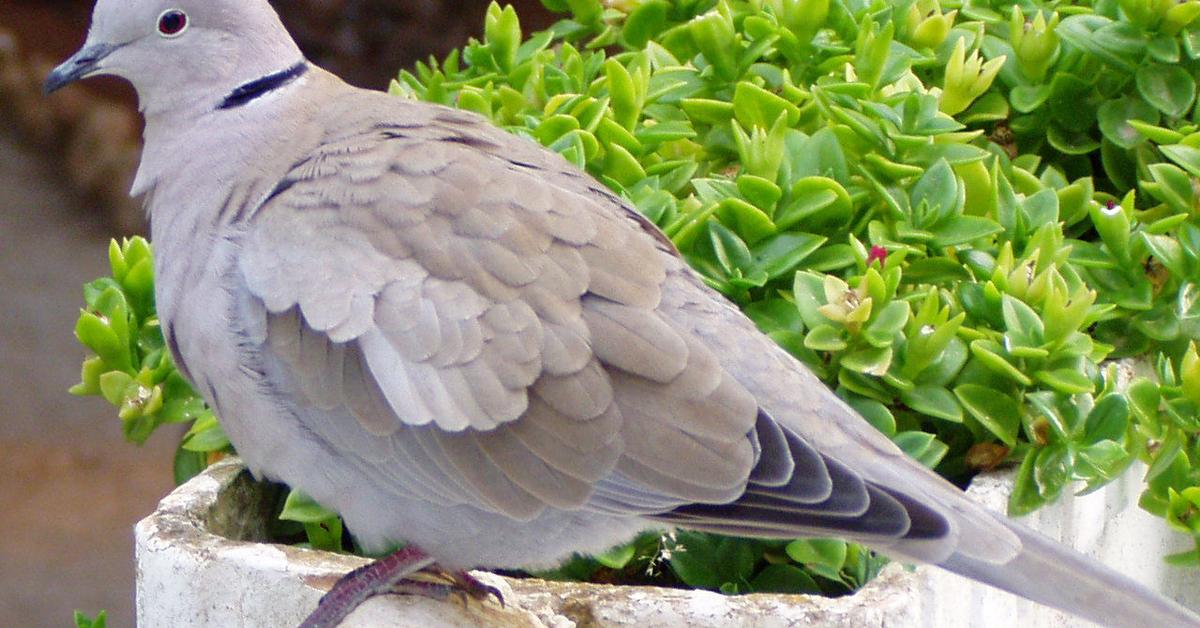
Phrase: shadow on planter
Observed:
(201, 562)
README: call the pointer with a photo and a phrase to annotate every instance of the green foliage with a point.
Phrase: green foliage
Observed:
(322, 527)
(954, 214)
(83, 621)
(130, 366)
(730, 565)
(639, 561)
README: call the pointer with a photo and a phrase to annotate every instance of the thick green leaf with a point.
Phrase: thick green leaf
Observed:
(989, 355)
(1066, 381)
(754, 106)
(729, 249)
(1164, 48)
(946, 366)
(825, 338)
(815, 200)
(97, 332)
(872, 361)
(705, 561)
(617, 557)
(749, 222)
(784, 579)
(881, 331)
(707, 111)
(935, 401)
(188, 464)
(736, 557)
(1190, 558)
(1173, 186)
(1071, 142)
(1169, 252)
(1166, 455)
(1186, 156)
(1114, 116)
(935, 270)
(830, 258)
(206, 435)
(919, 446)
(875, 413)
(774, 314)
(780, 254)
(958, 230)
(644, 22)
(1027, 98)
(1085, 33)
(1071, 104)
(1169, 88)
(83, 621)
(115, 385)
(996, 411)
(1100, 462)
(302, 508)
(1052, 470)
(826, 552)
(1022, 324)
(761, 192)
(1025, 497)
(939, 191)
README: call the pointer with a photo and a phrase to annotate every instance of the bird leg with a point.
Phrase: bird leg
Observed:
(389, 575)
(356, 587)
(469, 585)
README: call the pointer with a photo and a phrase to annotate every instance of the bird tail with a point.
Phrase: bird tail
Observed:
(988, 547)
(1056, 576)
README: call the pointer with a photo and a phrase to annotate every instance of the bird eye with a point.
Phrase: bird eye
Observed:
(172, 23)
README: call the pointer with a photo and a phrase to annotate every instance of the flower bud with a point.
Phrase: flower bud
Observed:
(1035, 43)
(967, 78)
(714, 34)
(1145, 13)
(928, 27)
(803, 17)
(1189, 374)
(1179, 16)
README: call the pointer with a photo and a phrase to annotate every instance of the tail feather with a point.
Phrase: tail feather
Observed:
(1057, 576)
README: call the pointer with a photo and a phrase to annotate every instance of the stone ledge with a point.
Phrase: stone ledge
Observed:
(188, 576)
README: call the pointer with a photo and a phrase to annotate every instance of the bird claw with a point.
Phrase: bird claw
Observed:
(470, 586)
(478, 589)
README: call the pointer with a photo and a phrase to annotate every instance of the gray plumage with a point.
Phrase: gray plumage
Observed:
(457, 339)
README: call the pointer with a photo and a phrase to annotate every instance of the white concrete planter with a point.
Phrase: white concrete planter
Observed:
(192, 572)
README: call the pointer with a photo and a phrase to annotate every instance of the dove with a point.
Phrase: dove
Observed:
(460, 341)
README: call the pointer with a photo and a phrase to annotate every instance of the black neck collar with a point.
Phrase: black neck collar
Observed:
(248, 92)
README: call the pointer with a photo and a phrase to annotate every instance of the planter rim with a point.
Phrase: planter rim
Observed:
(184, 519)
(188, 575)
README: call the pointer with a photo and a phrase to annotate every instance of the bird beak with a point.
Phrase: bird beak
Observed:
(81, 65)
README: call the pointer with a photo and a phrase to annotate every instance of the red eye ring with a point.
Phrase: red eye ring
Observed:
(172, 23)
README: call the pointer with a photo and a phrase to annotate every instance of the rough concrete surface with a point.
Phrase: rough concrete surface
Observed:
(71, 488)
(189, 576)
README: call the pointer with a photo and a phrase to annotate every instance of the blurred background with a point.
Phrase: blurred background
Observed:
(70, 487)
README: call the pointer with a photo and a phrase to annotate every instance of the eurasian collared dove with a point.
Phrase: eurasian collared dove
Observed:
(456, 339)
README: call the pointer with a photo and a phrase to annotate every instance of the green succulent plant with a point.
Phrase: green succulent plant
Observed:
(956, 213)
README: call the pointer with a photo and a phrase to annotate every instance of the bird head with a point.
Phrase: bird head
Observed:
(180, 53)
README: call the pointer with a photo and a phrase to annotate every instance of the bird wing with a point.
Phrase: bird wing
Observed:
(454, 288)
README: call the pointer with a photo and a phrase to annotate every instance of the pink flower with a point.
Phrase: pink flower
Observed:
(878, 253)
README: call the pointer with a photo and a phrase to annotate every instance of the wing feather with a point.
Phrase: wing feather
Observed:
(491, 318)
